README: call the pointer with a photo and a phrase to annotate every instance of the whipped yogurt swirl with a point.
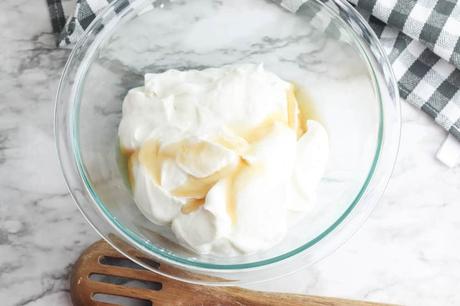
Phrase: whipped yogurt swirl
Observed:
(221, 155)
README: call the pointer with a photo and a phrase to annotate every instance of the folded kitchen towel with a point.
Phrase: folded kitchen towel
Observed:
(422, 40)
(420, 37)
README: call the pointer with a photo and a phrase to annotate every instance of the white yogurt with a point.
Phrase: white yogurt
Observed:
(221, 156)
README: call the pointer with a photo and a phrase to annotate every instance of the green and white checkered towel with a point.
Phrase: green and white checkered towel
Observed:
(421, 38)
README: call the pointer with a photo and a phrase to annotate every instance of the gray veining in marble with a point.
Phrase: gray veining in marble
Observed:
(41, 231)
(407, 252)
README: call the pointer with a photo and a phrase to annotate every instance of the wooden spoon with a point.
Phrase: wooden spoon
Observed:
(103, 272)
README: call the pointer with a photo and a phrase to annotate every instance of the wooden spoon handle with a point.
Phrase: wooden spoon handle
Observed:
(229, 296)
(240, 296)
(285, 299)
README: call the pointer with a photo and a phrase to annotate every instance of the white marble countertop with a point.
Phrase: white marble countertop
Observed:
(406, 253)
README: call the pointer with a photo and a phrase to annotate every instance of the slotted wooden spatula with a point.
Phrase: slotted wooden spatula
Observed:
(101, 273)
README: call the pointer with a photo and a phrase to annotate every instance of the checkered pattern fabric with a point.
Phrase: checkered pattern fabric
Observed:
(84, 13)
(421, 38)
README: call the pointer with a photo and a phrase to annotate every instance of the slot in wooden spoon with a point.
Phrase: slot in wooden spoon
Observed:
(103, 272)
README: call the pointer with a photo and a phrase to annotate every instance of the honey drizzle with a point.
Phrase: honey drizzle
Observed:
(152, 157)
(131, 159)
(292, 109)
(233, 144)
(198, 187)
(192, 205)
(297, 112)
(127, 152)
(231, 194)
(263, 128)
(306, 109)
(149, 157)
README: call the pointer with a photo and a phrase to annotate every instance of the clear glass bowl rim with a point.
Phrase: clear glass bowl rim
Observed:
(133, 237)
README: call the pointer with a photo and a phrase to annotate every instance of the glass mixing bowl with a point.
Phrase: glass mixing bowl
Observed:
(326, 49)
